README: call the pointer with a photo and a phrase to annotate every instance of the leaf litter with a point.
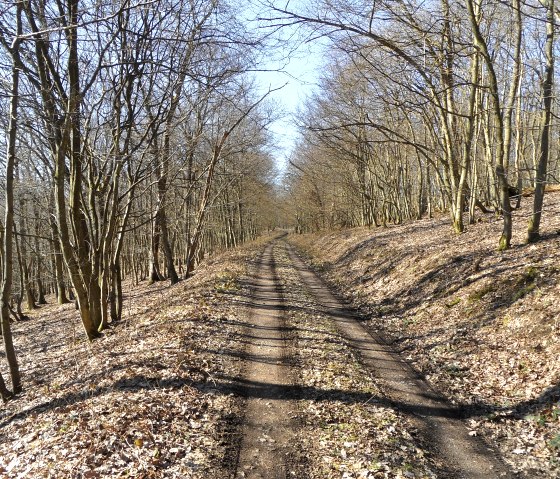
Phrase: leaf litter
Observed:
(345, 432)
(153, 397)
(481, 326)
(143, 401)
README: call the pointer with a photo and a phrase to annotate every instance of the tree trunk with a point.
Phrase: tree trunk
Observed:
(25, 266)
(59, 266)
(9, 221)
(155, 273)
(116, 293)
(500, 161)
(76, 252)
(533, 233)
(40, 286)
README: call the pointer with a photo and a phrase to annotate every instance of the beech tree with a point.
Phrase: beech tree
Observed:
(429, 105)
(544, 148)
(12, 43)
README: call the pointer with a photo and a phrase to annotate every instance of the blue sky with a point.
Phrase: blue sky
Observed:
(300, 76)
(298, 69)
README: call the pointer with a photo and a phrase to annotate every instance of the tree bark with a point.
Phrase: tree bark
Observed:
(9, 218)
(59, 266)
(500, 163)
(533, 233)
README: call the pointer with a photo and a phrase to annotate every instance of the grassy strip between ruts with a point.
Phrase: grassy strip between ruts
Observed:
(481, 325)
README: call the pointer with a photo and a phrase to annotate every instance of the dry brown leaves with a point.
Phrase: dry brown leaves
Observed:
(140, 402)
(481, 325)
(346, 432)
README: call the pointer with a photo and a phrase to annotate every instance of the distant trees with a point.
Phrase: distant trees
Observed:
(134, 140)
(431, 106)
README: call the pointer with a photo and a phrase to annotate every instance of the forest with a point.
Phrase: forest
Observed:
(159, 261)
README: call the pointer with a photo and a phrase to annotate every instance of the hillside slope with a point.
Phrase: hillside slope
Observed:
(482, 326)
(142, 400)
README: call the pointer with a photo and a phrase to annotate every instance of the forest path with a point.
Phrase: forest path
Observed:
(438, 423)
(325, 396)
(268, 428)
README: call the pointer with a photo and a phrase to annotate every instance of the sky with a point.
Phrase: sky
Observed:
(300, 78)
(298, 72)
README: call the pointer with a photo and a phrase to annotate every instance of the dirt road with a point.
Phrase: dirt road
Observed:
(268, 427)
(325, 398)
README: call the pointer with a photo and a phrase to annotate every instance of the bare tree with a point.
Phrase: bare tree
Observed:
(13, 48)
(544, 148)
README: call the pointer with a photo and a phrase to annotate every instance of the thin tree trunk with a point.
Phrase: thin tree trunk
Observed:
(518, 142)
(9, 221)
(59, 266)
(25, 266)
(40, 286)
(500, 160)
(533, 233)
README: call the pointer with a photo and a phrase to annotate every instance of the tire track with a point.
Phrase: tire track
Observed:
(268, 429)
(439, 423)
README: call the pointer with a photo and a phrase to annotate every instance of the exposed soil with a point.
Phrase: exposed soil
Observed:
(481, 326)
(346, 429)
(433, 440)
(252, 368)
(438, 423)
(268, 426)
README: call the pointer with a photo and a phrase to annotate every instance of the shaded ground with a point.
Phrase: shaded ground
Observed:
(347, 428)
(195, 380)
(268, 429)
(480, 325)
(143, 400)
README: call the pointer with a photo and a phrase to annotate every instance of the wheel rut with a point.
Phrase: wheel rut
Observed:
(437, 422)
(275, 390)
(269, 424)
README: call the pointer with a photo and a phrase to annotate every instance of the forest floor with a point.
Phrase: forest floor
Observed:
(253, 369)
(142, 401)
(481, 326)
